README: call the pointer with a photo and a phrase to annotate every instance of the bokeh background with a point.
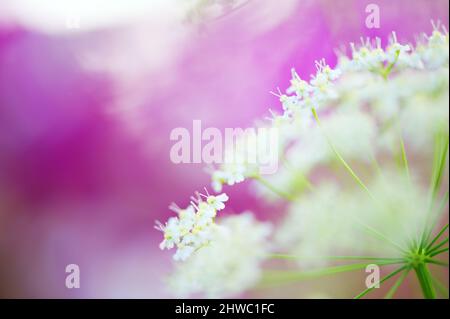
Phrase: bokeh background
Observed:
(89, 92)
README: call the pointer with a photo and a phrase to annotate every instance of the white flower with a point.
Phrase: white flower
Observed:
(395, 51)
(309, 95)
(205, 212)
(228, 173)
(187, 220)
(298, 86)
(435, 52)
(217, 202)
(378, 110)
(322, 83)
(229, 264)
(289, 103)
(191, 229)
(172, 233)
(183, 252)
(367, 57)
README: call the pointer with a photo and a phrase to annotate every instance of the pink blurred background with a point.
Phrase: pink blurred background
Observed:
(85, 117)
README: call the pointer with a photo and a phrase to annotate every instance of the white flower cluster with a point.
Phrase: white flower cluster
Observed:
(434, 50)
(379, 101)
(385, 97)
(193, 226)
(370, 56)
(230, 264)
(303, 95)
(355, 171)
(431, 52)
(297, 103)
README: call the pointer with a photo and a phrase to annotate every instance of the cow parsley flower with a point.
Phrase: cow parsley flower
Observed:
(228, 173)
(217, 202)
(396, 50)
(298, 86)
(434, 50)
(380, 115)
(303, 95)
(368, 56)
(229, 264)
(192, 228)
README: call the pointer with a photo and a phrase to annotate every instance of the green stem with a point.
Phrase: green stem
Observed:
(438, 246)
(425, 280)
(405, 158)
(337, 258)
(392, 274)
(386, 71)
(428, 233)
(277, 277)
(440, 156)
(340, 158)
(435, 239)
(375, 233)
(437, 172)
(436, 262)
(438, 252)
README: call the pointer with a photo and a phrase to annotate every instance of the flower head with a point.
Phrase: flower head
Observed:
(217, 202)
(383, 113)
(229, 264)
(192, 228)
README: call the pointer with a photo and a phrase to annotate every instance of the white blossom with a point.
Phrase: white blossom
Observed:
(217, 202)
(353, 141)
(434, 51)
(229, 264)
(191, 230)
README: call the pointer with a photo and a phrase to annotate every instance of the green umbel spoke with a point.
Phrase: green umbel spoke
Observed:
(397, 284)
(427, 232)
(438, 246)
(437, 262)
(405, 158)
(392, 274)
(382, 237)
(340, 158)
(438, 252)
(437, 172)
(286, 276)
(437, 237)
(439, 163)
(368, 258)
